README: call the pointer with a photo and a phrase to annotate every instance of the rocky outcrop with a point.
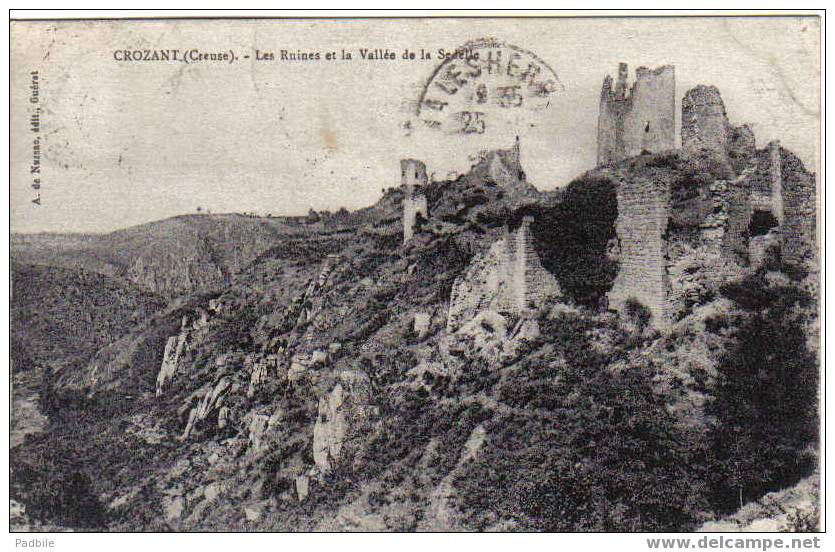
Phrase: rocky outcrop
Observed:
(212, 400)
(261, 427)
(176, 346)
(345, 416)
(306, 306)
(170, 359)
(264, 370)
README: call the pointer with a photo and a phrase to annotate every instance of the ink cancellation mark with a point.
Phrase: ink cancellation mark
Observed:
(35, 111)
(483, 80)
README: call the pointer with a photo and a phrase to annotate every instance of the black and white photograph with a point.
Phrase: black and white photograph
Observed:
(417, 273)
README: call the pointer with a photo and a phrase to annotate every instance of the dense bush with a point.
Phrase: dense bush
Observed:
(62, 495)
(765, 402)
(572, 239)
(594, 450)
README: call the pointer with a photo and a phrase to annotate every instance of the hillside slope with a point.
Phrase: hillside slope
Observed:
(323, 386)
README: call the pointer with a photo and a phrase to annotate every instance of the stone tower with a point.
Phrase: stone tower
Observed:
(643, 215)
(413, 176)
(704, 121)
(637, 119)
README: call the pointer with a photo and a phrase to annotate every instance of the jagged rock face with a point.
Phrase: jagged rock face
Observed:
(258, 425)
(345, 416)
(190, 326)
(264, 370)
(170, 358)
(306, 306)
(212, 400)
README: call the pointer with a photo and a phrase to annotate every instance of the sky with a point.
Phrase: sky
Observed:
(124, 143)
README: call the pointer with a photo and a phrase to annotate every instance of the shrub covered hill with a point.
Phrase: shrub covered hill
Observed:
(320, 383)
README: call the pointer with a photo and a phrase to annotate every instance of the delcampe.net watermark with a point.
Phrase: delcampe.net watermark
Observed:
(722, 542)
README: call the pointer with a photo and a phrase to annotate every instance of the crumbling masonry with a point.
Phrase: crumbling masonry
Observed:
(413, 176)
(509, 280)
(637, 120)
(672, 251)
(643, 215)
(685, 223)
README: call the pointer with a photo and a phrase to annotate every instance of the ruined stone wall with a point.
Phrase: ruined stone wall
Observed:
(798, 231)
(738, 209)
(413, 176)
(508, 279)
(741, 148)
(649, 124)
(642, 119)
(539, 283)
(641, 226)
(704, 121)
(609, 127)
(781, 186)
(776, 179)
(528, 281)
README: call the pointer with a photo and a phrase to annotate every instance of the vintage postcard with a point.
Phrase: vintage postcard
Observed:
(412, 274)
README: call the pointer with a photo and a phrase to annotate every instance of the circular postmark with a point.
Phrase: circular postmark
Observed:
(485, 81)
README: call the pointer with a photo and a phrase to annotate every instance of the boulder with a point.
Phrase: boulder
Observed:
(318, 358)
(258, 425)
(302, 487)
(212, 491)
(252, 513)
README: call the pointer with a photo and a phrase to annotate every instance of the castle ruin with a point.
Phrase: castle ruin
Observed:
(687, 220)
(413, 176)
(678, 239)
(637, 119)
